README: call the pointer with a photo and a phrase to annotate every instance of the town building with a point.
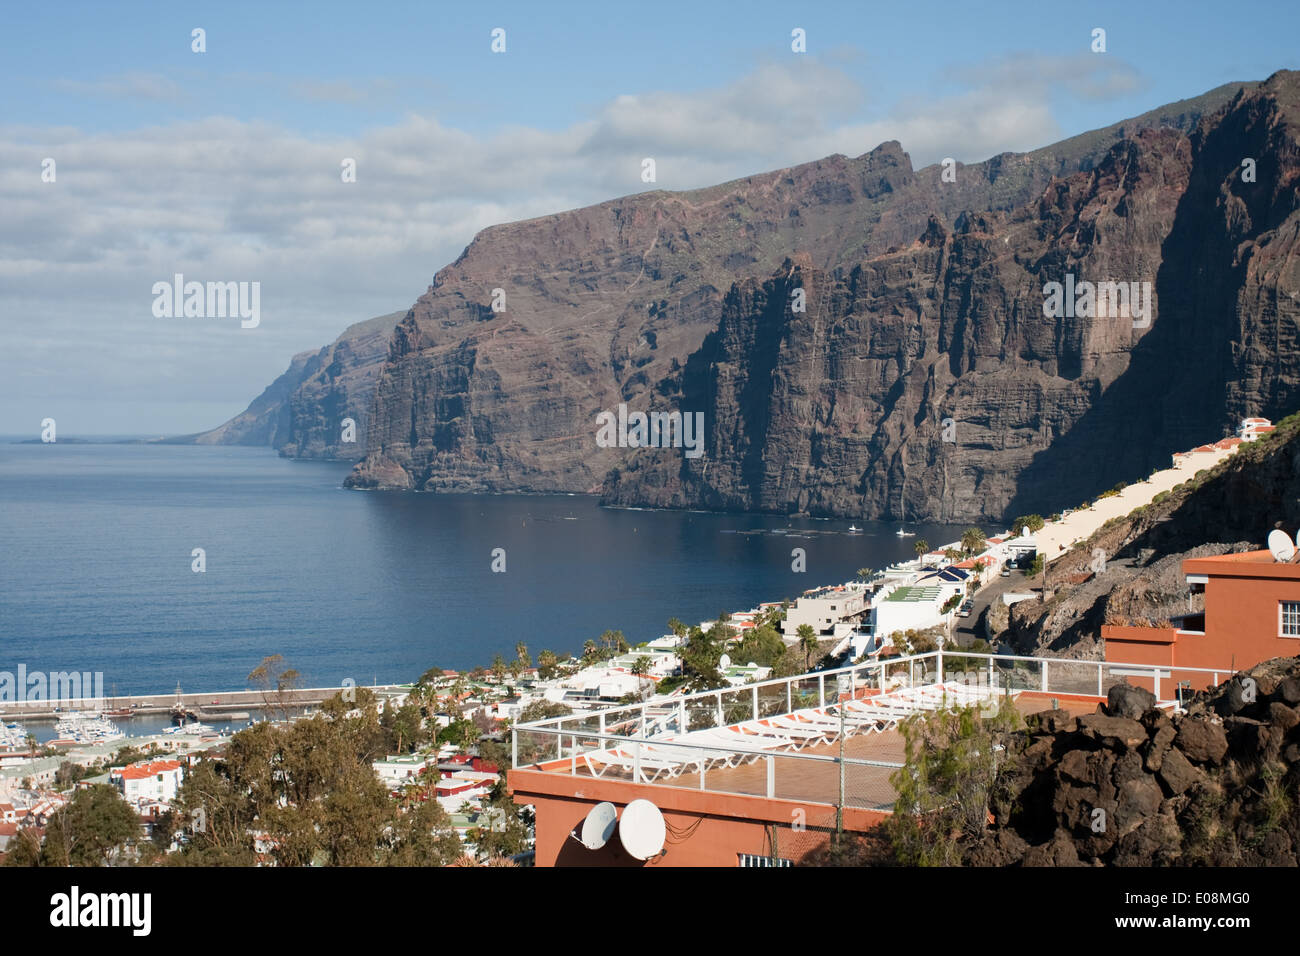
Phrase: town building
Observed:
(1252, 614)
(1252, 428)
(825, 610)
(157, 780)
(399, 770)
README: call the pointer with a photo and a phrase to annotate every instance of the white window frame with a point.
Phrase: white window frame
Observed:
(1282, 619)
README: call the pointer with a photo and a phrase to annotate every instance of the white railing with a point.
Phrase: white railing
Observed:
(646, 740)
(1000, 671)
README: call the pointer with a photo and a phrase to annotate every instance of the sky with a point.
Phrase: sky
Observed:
(225, 165)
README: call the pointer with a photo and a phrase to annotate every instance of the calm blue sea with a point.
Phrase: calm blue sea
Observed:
(95, 568)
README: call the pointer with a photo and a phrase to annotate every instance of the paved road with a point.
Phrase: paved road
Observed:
(968, 629)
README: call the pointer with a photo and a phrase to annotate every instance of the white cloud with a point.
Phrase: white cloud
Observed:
(222, 199)
(127, 86)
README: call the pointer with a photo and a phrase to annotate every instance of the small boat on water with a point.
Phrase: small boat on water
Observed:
(191, 728)
(854, 529)
(903, 533)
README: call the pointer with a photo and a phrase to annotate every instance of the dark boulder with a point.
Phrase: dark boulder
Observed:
(1201, 741)
(1177, 773)
(1125, 700)
(1117, 733)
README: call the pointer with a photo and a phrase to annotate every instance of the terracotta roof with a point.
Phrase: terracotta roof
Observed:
(140, 771)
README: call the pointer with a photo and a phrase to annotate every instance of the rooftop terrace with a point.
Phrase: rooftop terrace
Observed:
(827, 738)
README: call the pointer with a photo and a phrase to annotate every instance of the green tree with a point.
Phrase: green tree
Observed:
(1027, 524)
(422, 835)
(403, 726)
(808, 642)
(864, 574)
(700, 654)
(93, 829)
(920, 546)
(501, 829)
(547, 665)
(948, 782)
(521, 655)
(613, 643)
(762, 645)
(544, 710)
(498, 667)
(972, 540)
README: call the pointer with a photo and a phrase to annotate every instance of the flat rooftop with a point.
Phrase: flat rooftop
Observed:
(808, 773)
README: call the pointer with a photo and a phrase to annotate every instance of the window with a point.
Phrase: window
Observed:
(1289, 612)
(751, 859)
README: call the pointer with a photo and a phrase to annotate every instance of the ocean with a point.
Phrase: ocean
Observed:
(97, 549)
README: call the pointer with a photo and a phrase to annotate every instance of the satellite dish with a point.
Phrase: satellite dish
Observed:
(1279, 542)
(599, 826)
(642, 830)
(724, 661)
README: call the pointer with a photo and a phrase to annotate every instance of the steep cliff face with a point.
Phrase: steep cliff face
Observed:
(844, 409)
(301, 413)
(924, 302)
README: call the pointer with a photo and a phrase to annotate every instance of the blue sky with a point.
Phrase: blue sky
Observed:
(225, 164)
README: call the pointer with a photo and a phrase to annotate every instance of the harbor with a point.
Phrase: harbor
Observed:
(206, 706)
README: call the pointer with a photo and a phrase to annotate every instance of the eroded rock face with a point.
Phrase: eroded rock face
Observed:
(841, 410)
(923, 303)
(301, 414)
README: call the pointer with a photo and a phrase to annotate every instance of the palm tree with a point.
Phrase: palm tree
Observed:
(807, 642)
(863, 574)
(972, 540)
(546, 664)
(921, 546)
(588, 650)
(676, 627)
(521, 655)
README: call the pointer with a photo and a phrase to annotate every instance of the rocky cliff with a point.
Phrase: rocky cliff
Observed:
(301, 413)
(1131, 786)
(923, 302)
(927, 382)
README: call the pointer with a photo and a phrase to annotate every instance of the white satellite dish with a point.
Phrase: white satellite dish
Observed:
(642, 830)
(599, 826)
(724, 661)
(1279, 542)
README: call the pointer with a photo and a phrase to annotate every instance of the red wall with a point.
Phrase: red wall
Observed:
(714, 828)
(1242, 597)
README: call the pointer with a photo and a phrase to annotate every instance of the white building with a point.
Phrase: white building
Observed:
(1252, 428)
(912, 607)
(159, 781)
(824, 608)
(401, 769)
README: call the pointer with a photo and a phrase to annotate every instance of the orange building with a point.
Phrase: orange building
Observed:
(1252, 614)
